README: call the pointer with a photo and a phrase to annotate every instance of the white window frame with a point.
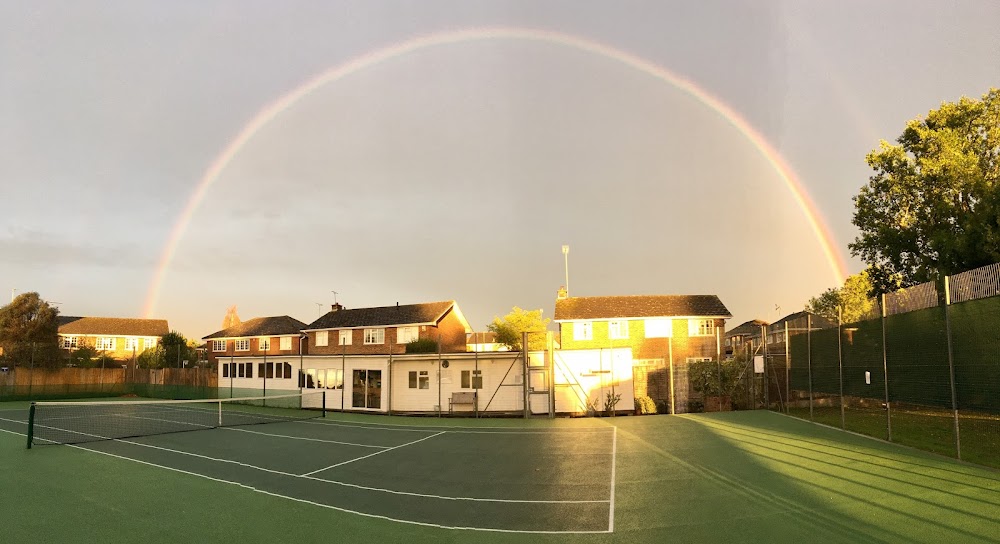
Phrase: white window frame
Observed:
(131, 343)
(659, 328)
(150, 343)
(241, 344)
(690, 360)
(263, 344)
(218, 345)
(345, 337)
(374, 337)
(583, 330)
(285, 343)
(701, 327)
(405, 335)
(69, 342)
(474, 379)
(616, 328)
(322, 338)
(106, 343)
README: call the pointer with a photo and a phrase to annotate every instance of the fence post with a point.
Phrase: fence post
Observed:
(788, 369)
(767, 400)
(673, 398)
(809, 362)
(951, 365)
(840, 363)
(885, 377)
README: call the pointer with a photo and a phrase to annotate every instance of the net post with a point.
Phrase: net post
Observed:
(31, 424)
(323, 401)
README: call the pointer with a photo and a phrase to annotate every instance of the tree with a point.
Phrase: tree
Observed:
(508, 329)
(29, 332)
(932, 208)
(176, 350)
(854, 298)
(231, 319)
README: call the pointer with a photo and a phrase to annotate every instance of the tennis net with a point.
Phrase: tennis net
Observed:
(77, 422)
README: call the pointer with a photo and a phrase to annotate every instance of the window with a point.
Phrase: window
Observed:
(307, 380)
(405, 335)
(131, 344)
(105, 344)
(419, 379)
(374, 336)
(345, 338)
(472, 379)
(242, 344)
(583, 330)
(618, 329)
(322, 338)
(647, 362)
(659, 328)
(263, 344)
(334, 379)
(285, 344)
(150, 343)
(701, 327)
(283, 370)
(225, 370)
(242, 373)
(69, 342)
(218, 345)
(699, 359)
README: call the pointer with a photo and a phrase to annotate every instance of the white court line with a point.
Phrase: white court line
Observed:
(304, 438)
(611, 505)
(293, 475)
(337, 508)
(372, 454)
(461, 430)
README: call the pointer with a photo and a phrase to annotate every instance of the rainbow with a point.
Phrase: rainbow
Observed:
(267, 114)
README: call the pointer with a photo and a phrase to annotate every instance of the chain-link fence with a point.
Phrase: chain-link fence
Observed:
(922, 369)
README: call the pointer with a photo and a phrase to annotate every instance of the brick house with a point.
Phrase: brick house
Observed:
(665, 333)
(276, 335)
(118, 337)
(387, 329)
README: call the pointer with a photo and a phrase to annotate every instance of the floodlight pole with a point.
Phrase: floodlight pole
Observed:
(565, 251)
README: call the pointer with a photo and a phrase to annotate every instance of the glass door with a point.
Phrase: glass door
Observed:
(366, 389)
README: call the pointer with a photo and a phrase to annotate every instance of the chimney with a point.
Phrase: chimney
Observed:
(562, 293)
(336, 306)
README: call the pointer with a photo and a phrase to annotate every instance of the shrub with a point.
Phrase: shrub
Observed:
(663, 407)
(422, 345)
(644, 405)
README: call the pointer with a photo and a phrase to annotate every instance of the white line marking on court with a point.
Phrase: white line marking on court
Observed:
(330, 506)
(305, 476)
(305, 438)
(372, 454)
(407, 428)
(611, 505)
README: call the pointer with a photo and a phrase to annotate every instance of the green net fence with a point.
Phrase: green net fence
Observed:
(922, 369)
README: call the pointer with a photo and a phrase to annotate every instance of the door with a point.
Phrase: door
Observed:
(366, 390)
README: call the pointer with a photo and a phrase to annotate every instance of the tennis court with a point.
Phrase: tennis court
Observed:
(737, 477)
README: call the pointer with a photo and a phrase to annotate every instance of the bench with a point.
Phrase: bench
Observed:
(463, 397)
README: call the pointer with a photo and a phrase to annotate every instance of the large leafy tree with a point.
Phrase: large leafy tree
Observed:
(932, 206)
(508, 329)
(854, 298)
(28, 332)
(173, 350)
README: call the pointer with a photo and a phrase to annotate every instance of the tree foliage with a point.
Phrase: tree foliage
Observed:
(854, 297)
(932, 207)
(508, 329)
(175, 349)
(28, 332)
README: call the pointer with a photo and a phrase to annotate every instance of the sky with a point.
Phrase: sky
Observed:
(436, 169)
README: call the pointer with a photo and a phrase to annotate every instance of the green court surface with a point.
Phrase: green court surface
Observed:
(730, 477)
